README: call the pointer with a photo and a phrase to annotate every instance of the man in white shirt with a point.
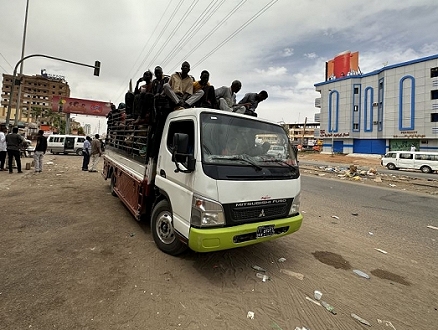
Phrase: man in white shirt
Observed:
(3, 131)
(226, 97)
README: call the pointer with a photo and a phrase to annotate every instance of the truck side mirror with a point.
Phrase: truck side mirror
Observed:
(180, 154)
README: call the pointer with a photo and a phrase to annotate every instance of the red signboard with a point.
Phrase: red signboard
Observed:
(344, 64)
(80, 106)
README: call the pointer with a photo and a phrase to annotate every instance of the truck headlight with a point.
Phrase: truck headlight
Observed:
(206, 212)
(295, 207)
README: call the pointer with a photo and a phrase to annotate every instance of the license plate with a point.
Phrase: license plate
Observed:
(264, 231)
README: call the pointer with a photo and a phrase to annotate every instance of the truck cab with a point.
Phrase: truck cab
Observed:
(211, 185)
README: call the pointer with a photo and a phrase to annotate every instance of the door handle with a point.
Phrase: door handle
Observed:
(163, 173)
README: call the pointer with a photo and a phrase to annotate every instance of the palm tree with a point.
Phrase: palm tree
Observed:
(37, 112)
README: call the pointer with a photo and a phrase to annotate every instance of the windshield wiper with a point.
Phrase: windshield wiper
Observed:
(278, 161)
(245, 158)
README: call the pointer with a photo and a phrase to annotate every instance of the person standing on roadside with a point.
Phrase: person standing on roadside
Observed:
(3, 131)
(40, 150)
(86, 153)
(14, 142)
(96, 152)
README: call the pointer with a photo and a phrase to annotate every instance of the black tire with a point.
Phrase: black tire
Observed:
(391, 166)
(79, 151)
(113, 184)
(162, 230)
(426, 169)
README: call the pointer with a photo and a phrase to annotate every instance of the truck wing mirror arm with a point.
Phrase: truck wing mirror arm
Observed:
(183, 160)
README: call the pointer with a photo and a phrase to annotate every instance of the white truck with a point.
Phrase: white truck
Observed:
(203, 179)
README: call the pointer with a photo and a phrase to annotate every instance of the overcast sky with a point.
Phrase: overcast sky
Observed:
(280, 46)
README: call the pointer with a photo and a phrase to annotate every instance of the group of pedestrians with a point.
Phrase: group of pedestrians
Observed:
(11, 144)
(92, 151)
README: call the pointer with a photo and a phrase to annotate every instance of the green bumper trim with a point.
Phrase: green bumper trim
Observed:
(215, 239)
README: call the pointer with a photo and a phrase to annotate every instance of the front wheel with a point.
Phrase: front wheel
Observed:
(163, 231)
(426, 169)
(391, 166)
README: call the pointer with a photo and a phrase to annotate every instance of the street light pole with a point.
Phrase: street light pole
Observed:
(96, 68)
(17, 107)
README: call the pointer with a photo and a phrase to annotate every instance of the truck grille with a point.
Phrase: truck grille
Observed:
(247, 213)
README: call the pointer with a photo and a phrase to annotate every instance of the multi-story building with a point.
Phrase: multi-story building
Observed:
(36, 92)
(392, 108)
(303, 133)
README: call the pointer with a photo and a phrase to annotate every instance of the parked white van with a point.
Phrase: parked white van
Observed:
(424, 161)
(65, 144)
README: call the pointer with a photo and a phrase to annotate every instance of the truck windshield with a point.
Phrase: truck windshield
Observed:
(236, 141)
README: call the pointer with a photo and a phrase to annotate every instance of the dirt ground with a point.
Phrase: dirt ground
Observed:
(73, 257)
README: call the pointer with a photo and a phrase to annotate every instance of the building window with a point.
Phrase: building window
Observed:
(434, 117)
(356, 90)
(434, 72)
(355, 126)
(356, 108)
(434, 94)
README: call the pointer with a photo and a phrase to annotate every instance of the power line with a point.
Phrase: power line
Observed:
(6, 62)
(144, 47)
(244, 25)
(194, 29)
(214, 29)
(172, 33)
(162, 31)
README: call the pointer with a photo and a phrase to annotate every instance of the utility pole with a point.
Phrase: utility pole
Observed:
(304, 132)
(17, 107)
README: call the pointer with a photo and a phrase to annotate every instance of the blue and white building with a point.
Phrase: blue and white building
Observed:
(391, 108)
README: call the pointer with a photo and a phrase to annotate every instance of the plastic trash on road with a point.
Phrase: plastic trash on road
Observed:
(361, 320)
(328, 307)
(263, 277)
(361, 273)
(258, 268)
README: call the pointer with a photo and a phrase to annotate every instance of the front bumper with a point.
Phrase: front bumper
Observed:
(215, 239)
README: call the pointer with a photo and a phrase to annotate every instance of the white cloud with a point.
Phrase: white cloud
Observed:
(287, 52)
(310, 55)
(272, 71)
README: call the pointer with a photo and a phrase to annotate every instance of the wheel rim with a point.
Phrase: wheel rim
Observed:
(164, 228)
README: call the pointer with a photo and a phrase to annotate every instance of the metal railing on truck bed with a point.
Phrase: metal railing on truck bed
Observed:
(130, 137)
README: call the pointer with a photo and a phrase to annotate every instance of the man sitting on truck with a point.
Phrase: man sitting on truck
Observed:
(226, 97)
(208, 100)
(180, 88)
(251, 101)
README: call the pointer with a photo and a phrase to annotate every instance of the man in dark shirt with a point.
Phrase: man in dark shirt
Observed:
(208, 100)
(14, 142)
(40, 150)
(252, 100)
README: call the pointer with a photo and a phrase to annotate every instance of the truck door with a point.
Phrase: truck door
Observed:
(177, 186)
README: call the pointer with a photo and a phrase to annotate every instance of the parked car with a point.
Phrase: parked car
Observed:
(276, 151)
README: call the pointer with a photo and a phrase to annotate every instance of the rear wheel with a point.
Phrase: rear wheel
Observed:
(426, 169)
(113, 184)
(79, 151)
(163, 231)
(391, 166)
